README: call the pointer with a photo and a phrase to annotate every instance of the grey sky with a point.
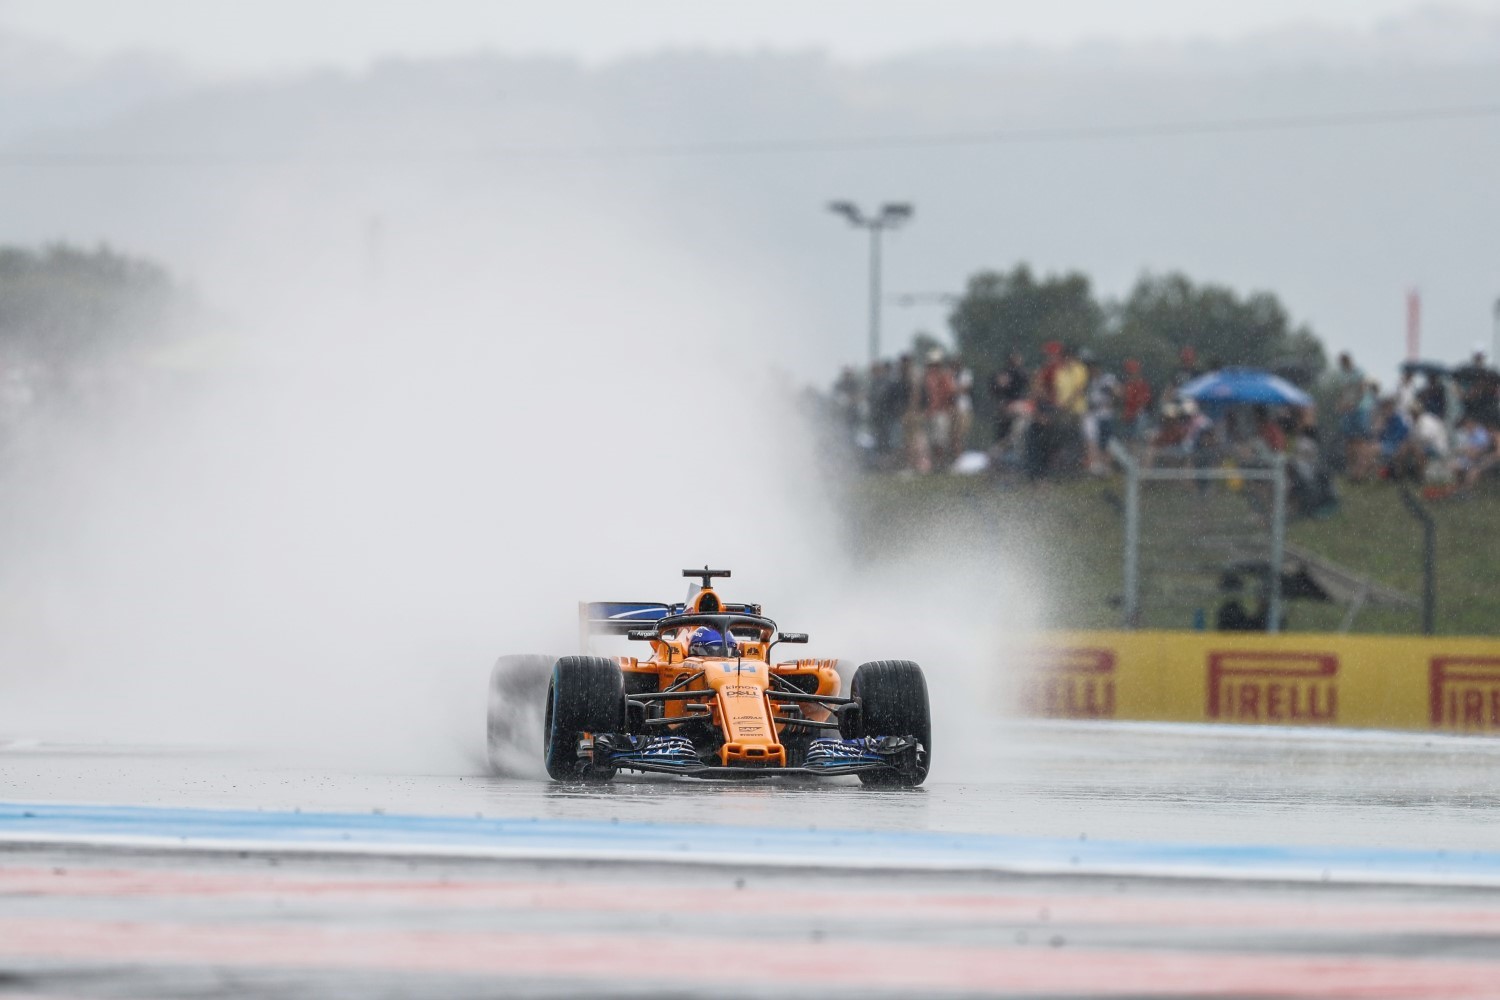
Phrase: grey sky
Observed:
(1339, 222)
(236, 35)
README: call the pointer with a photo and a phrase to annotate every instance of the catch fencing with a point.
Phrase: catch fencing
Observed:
(1188, 528)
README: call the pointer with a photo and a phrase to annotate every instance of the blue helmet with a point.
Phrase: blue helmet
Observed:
(707, 641)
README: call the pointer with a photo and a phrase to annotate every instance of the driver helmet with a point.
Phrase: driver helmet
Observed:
(707, 641)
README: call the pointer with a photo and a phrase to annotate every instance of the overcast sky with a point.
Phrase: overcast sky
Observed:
(238, 35)
(1340, 222)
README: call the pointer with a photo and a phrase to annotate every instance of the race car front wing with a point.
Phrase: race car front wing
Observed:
(824, 757)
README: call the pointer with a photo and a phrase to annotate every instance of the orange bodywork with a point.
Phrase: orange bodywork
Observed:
(738, 692)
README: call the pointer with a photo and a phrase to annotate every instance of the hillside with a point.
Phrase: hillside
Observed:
(1066, 538)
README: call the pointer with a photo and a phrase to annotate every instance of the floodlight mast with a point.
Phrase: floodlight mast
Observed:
(892, 214)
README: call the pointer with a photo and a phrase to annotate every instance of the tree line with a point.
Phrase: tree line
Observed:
(62, 305)
(1001, 312)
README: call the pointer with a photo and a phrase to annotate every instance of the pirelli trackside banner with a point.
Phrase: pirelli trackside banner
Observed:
(1449, 685)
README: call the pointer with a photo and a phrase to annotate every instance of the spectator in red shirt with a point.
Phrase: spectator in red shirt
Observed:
(940, 391)
(1269, 430)
(1046, 377)
(1135, 399)
(1187, 366)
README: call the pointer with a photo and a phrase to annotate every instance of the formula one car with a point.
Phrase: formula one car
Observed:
(709, 701)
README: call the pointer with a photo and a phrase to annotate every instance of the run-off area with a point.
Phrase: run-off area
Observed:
(84, 923)
(122, 919)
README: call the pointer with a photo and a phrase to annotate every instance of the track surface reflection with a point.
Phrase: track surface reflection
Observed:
(79, 921)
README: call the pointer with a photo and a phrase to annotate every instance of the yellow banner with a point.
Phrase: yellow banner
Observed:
(1301, 679)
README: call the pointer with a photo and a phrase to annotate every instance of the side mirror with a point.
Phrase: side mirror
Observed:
(641, 634)
(795, 637)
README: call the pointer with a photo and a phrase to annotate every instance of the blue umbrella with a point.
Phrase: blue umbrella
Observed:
(1243, 386)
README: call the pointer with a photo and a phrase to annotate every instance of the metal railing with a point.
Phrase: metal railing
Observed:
(1429, 558)
(1135, 474)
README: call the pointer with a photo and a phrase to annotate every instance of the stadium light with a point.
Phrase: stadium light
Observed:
(892, 214)
(848, 210)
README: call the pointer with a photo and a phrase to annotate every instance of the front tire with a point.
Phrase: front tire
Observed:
(586, 695)
(892, 698)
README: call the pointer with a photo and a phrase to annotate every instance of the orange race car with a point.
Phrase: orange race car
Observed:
(709, 701)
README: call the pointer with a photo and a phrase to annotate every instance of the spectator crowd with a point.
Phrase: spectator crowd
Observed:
(910, 416)
(1057, 414)
(1437, 426)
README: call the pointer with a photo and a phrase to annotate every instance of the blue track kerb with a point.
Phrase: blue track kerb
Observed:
(585, 839)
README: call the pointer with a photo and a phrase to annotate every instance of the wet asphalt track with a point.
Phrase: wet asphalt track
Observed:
(1046, 864)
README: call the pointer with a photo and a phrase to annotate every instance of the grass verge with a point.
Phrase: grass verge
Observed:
(1068, 535)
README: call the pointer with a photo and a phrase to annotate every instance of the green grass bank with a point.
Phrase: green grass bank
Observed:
(1068, 536)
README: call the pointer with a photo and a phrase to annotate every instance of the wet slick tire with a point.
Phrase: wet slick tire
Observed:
(892, 698)
(586, 695)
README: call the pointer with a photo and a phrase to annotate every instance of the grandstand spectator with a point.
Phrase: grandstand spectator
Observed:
(1103, 409)
(1136, 401)
(1268, 431)
(939, 398)
(1183, 430)
(1311, 491)
(1362, 453)
(963, 408)
(1406, 390)
(1202, 433)
(1009, 389)
(887, 402)
(1233, 615)
(1037, 438)
(1044, 430)
(1348, 383)
(1187, 367)
(1045, 388)
(1476, 452)
(1393, 429)
(1425, 447)
(1434, 395)
(914, 418)
(1070, 387)
(1173, 428)
(1479, 386)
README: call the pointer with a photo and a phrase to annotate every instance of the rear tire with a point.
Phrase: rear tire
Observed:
(586, 695)
(892, 698)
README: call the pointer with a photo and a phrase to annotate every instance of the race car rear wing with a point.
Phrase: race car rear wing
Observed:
(619, 617)
(624, 617)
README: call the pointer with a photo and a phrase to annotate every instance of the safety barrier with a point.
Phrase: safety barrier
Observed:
(1302, 679)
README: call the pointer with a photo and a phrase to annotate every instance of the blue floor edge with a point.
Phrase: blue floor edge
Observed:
(43, 822)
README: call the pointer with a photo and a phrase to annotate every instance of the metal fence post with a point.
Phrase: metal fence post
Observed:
(1429, 559)
(1278, 542)
(1132, 603)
